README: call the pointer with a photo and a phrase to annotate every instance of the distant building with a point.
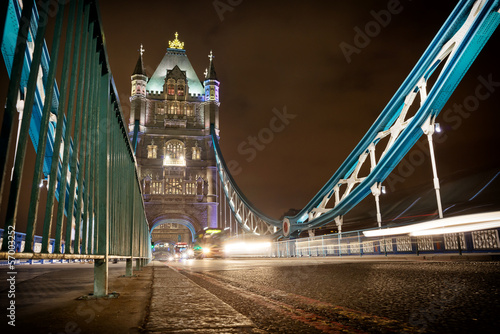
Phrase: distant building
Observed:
(173, 111)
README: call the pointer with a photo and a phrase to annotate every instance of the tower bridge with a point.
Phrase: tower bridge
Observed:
(173, 133)
(170, 117)
(112, 188)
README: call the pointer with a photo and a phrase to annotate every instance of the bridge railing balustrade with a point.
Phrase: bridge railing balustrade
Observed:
(100, 211)
(356, 244)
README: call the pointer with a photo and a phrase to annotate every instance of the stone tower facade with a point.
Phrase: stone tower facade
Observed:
(171, 115)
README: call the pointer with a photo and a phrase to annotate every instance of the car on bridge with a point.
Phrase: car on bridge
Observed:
(209, 244)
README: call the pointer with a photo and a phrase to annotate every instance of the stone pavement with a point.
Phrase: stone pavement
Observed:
(178, 305)
(47, 300)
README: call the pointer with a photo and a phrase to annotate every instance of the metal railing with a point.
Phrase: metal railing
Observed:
(100, 212)
(356, 244)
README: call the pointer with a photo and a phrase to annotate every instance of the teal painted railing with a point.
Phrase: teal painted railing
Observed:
(100, 211)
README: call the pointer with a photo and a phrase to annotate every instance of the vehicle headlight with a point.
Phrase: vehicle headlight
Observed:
(190, 252)
(206, 250)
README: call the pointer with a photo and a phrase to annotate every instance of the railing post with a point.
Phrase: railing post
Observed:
(459, 245)
(133, 194)
(323, 246)
(17, 176)
(101, 265)
(338, 239)
(42, 138)
(128, 268)
(77, 66)
(309, 247)
(359, 243)
(138, 265)
(12, 95)
(84, 145)
(385, 246)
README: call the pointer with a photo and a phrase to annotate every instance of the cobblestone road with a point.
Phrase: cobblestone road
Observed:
(373, 297)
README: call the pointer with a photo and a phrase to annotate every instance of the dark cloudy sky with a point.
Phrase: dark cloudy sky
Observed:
(286, 54)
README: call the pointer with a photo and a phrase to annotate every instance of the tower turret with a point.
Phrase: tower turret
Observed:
(212, 101)
(138, 93)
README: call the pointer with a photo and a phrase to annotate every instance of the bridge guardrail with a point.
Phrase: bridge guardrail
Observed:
(356, 244)
(94, 176)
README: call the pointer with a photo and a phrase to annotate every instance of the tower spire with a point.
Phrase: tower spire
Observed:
(139, 67)
(211, 74)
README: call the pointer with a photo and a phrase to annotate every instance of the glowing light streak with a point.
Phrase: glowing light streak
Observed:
(487, 184)
(439, 223)
(458, 229)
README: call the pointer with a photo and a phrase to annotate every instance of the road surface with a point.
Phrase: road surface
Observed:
(317, 295)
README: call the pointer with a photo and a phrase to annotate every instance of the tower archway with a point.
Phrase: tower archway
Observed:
(178, 222)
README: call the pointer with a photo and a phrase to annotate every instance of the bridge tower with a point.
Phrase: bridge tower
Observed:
(173, 111)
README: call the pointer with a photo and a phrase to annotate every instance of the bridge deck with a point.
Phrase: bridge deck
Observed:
(175, 300)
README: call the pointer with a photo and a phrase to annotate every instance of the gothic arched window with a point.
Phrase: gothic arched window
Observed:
(152, 150)
(190, 110)
(175, 153)
(196, 152)
(171, 108)
(170, 89)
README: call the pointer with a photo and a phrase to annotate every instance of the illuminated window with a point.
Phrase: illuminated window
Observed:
(170, 89)
(173, 186)
(180, 90)
(171, 109)
(183, 109)
(152, 150)
(196, 152)
(190, 110)
(156, 187)
(174, 153)
(191, 188)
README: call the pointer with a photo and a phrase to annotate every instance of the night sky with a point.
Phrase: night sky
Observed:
(277, 55)
(286, 54)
